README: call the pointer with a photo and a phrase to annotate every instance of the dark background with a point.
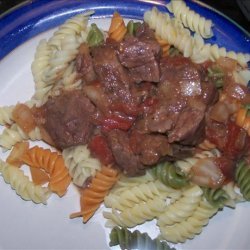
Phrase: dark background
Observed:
(228, 7)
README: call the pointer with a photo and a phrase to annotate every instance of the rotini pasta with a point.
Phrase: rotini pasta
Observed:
(6, 115)
(15, 134)
(26, 189)
(53, 164)
(80, 164)
(117, 29)
(170, 175)
(181, 209)
(242, 178)
(205, 51)
(40, 63)
(191, 19)
(126, 182)
(232, 190)
(187, 229)
(216, 197)
(137, 214)
(54, 56)
(93, 196)
(95, 36)
(135, 240)
(194, 47)
(127, 198)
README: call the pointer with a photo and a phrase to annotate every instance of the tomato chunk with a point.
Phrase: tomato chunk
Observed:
(227, 167)
(236, 141)
(100, 149)
(117, 122)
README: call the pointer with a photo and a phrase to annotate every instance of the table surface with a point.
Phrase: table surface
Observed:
(228, 7)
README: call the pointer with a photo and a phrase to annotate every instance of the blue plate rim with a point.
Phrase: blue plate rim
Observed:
(17, 8)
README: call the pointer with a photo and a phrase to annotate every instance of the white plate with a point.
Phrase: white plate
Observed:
(24, 225)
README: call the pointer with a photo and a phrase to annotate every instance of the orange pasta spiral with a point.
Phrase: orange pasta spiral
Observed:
(93, 196)
(53, 164)
(243, 119)
(117, 29)
(164, 46)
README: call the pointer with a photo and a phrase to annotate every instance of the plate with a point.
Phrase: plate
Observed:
(25, 225)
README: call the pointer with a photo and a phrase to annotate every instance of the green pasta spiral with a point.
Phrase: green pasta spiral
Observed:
(216, 197)
(132, 27)
(242, 178)
(170, 175)
(95, 36)
(135, 240)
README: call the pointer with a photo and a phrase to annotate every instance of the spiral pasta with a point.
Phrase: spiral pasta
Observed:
(80, 164)
(117, 29)
(126, 182)
(15, 134)
(183, 208)
(205, 51)
(53, 57)
(242, 178)
(93, 196)
(216, 197)
(191, 46)
(39, 64)
(135, 240)
(191, 19)
(53, 164)
(168, 174)
(26, 189)
(6, 115)
(137, 214)
(188, 228)
(243, 119)
(232, 190)
(127, 198)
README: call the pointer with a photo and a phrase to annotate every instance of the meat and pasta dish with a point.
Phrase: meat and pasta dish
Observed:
(145, 118)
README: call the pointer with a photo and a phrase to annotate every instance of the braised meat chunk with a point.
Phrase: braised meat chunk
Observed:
(138, 107)
(68, 119)
(126, 159)
(182, 102)
(111, 73)
(140, 55)
(149, 147)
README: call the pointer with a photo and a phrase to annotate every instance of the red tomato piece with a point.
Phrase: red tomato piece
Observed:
(100, 149)
(236, 141)
(111, 122)
(227, 167)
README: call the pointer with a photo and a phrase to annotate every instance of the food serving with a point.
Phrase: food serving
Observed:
(145, 118)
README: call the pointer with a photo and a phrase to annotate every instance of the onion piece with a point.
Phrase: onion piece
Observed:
(206, 173)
